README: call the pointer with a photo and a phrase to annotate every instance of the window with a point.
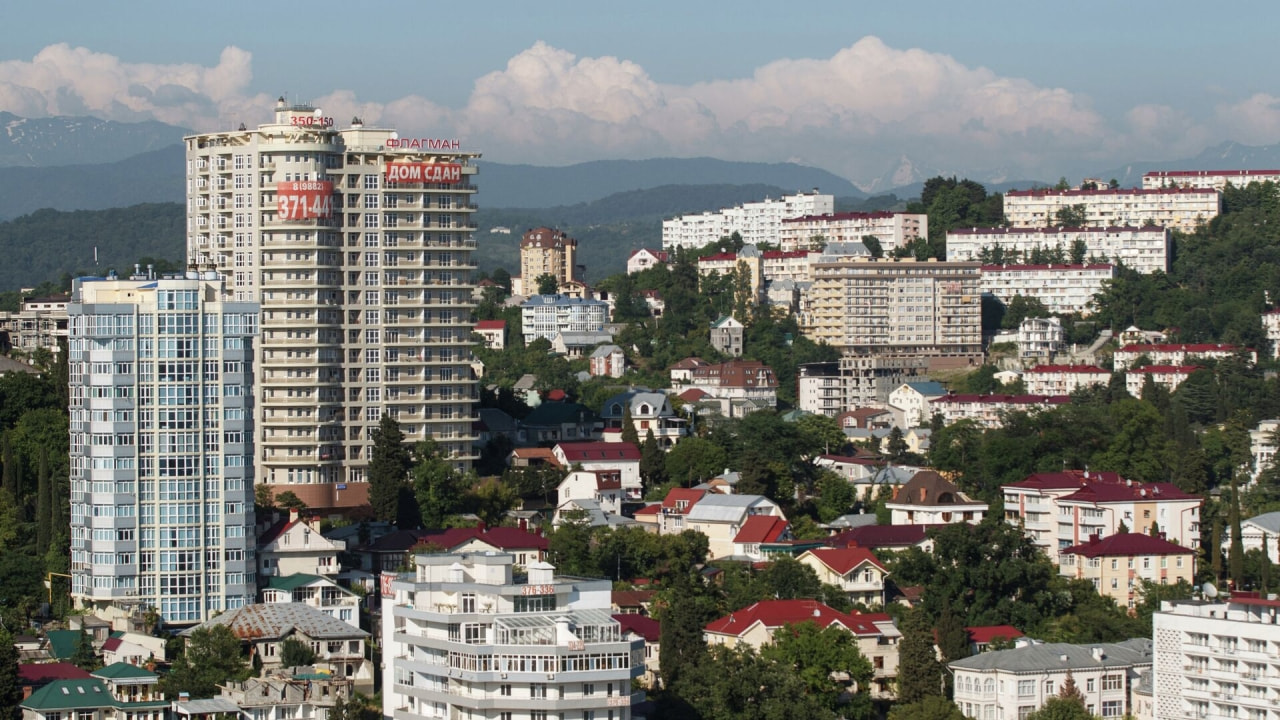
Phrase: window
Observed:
(1112, 682)
(1090, 685)
(504, 690)
(1026, 688)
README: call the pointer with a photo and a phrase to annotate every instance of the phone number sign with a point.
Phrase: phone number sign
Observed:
(304, 200)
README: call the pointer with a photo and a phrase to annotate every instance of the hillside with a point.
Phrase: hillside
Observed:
(150, 177)
(67, 140)
(48, 244)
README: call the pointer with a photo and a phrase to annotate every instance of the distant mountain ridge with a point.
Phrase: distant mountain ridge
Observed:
(67, 140)
(150, 177)
(1224, 156)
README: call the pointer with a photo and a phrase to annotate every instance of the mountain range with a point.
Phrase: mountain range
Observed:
(67, 140)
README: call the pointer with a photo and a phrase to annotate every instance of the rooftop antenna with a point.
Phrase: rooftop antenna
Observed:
(1209, 590)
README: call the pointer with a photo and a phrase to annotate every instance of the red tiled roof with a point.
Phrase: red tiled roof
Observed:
(842, 560)
(649, 509)
(642, 625)
(112, 644)
(660, 255)
(1208, 173)
(719, 257)
(1004, 399)
(491, 324)
(690, 363)
(1126, 545)
(503, 538)
(692, 395)
(1182, 347)
(984, 634)
(777, 613)
(535, 453)
(846, 460)
(1095, 193)
(1166, 369)
(1121, 492)
(275, 531)
(45, 673)
(1049, 266)
(761, 529)
(784, 254)
(1066, 479)
(874, 536)
(1053, 230)
(632, 598)
(1091, 369)
(599, 452)
(675, 495)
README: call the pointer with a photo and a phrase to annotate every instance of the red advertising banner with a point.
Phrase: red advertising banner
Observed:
(304, 200)
(414, 172)
(384, 583)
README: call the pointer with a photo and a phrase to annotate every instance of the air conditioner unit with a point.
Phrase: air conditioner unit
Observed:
(502, 675)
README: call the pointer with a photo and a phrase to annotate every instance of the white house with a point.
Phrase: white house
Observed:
(721, 517)
(319, 592)
(650, 412)
(1262, 444)
(644, 258)
(854, 570)
(1040, 337)
(930, 499)
(913, 398)
(294, 545)
(1260, 532)
(602, 486)
(1063, 379)
(614, 459)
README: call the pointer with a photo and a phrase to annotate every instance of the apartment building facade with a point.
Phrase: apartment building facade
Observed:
(1144, 249)
(1063, 379)
(1182, 209)
(1168, 377)
(357, 244)
(1207, 179)
(903, 307)
(1117, 564)
(39, 322)
(1180, 353)
(892, 229)
(1063, 289)
(546, 316)
(545, 251)
(162, 446)
(755, 222)
(464, 636)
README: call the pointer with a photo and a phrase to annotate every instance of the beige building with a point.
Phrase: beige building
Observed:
(904, 307)
(854, 570)
(892, 229)
(1117, 565)
(544, 251)
(1178, 208)
(357, 243)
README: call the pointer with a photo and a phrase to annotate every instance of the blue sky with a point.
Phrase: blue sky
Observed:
(1002, 88)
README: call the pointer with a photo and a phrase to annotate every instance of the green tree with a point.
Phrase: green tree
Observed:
(570, 545)
(873, 245)
(290, 501)
(211, 657)
(897, 447)
(547, 285)
(295, 653)
(695, 459)
(389, 464)
(816, 655)
(953, 638)
(653, 462)
(490, 500)
(835, 496)
(1059, 708)
(933, 707)
(45, 518)
(437, 487)
(684, 608)
(738, 684)
(1071, 216)
(84, 656)
(1236, 553)
(10, 681)
(919, 674)
(629, 432)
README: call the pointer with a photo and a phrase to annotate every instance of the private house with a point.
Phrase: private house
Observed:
(316, 591)
(616, 459)
(650, 412)
(722, 517)
(727, 336)
(854, 570)
(294, 545)
(911, 400)
(493, 333)
(608, 361)
(930, 499)
(116, 692)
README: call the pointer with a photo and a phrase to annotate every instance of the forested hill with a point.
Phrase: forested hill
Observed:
(48, 244)
(146, 178)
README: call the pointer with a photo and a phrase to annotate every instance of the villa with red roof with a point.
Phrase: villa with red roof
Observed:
(675, 506)
(1168, 377)
(754, 626)
(723, 517)
(757, 531)
(528, 547)
(1063, 379)
(1179, 353)
(620, 457)
(1118, 563)
(853, 569)
(494, 333)
(645, 258)
(294, 545)
(989, 410)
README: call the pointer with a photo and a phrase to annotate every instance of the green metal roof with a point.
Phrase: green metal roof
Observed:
(292, 582)
(69, 695)
(124, 671)
(62, 643)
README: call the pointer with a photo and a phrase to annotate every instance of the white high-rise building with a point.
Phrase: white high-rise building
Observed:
(464, 636)
(161, 375)
(357, 243)
(1215, 658)
(1144, 249)
(757, 222)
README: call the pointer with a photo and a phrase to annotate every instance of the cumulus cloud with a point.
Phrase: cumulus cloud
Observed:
(856, 113)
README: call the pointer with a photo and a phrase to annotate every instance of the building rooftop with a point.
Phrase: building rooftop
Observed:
(124, 671)
(1268, 522)
(1110, 229)
(642, 625)
(278, 620)
(1051, 657)
(491, 324)
(1128, 491)
(596, 452)
(842, 560)
(1068, 369)
(1126, 545)
(985, 634)
(777, 613)
(42, 673)
(929, 489)
(929, 388)
(1045, 266)
(1192, 348)
(761, 529)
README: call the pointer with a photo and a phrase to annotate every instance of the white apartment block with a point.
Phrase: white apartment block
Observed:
(892, 229)
(1063, 379)
(855, 381)
(989, 410)
(1064, 289)
(1010, 684)
(1144, 249)
(1182, 209)
(1262, 444)
(1207, 179)
(546, 316)
(161, 379)
(1216, 658)
(794, 265)
(1179, 353)
(1168, 377)
(1040, 337)
(1032, 503)
(820, 389)
(1271, 325)
(465, 636)
(904, 307)
(357, 243)
(758, 222)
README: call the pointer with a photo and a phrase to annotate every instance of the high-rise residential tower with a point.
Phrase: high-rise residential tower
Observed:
(357, 243)
(161, 380)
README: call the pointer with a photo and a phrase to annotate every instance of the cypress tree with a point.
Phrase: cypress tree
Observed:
(1215, 549)
(10, 474)
(45, 514)
(919, 675)
(389, 465)
(629, 432)
(1266, 564)
(10, 682)
(1236, 558)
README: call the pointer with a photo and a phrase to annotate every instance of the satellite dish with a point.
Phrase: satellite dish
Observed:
(395, 135)
(1209, 590)
(319, 112)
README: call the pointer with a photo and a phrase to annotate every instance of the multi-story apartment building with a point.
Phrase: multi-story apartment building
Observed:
(755, 222)
(855, 381)
(1102, 508)
(546, 316)
(544, 251)
(901, 307)
(747, 262)
(1182, 209)
(989, 410)
(1271, 326)
(793, 265)
(1168, 377)
(1262, 444)
(820, 389)
(892, 229)
(737, 379)
(1144, 249)
(1039, 337)
(161, 379)
(1063, 379)
(1117, 564)
(1011, 684)
(465, 636)
(1215, 658)
(1180, 353)
(1206, 179)
(1064, 289)
(1033, 503)
(357, 243)
(40, 322)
